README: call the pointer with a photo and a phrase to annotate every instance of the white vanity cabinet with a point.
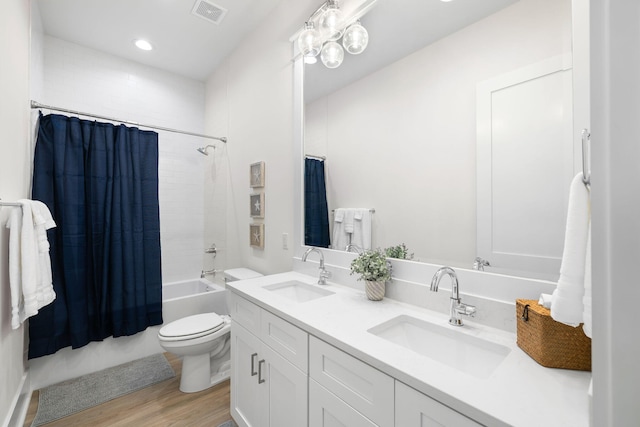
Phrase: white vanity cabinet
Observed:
(328, 410)
(344, 391)
(414, 409)
(269, 368)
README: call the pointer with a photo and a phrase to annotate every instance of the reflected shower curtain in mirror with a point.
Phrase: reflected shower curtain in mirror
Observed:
(100, 182)
(316, 213)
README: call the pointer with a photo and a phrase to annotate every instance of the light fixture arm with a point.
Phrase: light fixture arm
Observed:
(318, 11)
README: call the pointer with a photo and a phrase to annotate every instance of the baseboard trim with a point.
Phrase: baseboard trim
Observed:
(19, 404)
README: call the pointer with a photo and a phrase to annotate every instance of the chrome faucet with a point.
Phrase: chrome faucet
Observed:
(210, 250)
(480, 263)
(354, 248)
(456, 306)
(324, 274)
(206, 272)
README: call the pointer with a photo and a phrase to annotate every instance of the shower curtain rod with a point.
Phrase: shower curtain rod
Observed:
(35, 104)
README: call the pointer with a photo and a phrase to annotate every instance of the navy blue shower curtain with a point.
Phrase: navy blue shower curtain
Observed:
(316, 213)
(100, 182)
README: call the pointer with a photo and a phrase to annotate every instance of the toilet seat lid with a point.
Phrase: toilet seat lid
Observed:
(193, 326)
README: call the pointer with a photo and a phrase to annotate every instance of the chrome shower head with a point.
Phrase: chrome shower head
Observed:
(203, 150)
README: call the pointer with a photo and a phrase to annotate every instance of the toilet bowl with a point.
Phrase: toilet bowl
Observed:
(203, 342)
(199, 339)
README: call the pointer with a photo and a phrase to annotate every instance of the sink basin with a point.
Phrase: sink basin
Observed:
(445, 344)
(298, 291)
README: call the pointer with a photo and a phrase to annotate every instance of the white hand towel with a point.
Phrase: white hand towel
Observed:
(340, 238)
(567, 306)
(43, 221)
(29, 260)
(362, 228)
(348, 221)
(587, 288)
(15, 268)
(545, 301)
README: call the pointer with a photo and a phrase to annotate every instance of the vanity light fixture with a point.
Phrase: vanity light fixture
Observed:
(332, 21)
(323, 31)
(355, 39)
(332, 54)
(309, 43)
(143, 44)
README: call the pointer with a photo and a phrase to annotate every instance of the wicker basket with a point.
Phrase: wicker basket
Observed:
(550, 343)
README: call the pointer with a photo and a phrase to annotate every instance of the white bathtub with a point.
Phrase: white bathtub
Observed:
(181, 299)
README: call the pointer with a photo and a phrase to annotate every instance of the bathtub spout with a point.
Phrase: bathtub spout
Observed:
(205, 272)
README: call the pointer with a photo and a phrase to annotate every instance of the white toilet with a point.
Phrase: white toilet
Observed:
(203, 341)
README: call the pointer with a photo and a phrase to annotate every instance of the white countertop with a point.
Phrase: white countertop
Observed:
(520, 392)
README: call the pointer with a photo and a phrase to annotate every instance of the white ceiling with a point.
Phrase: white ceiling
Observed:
(193, 47)
(183, 43)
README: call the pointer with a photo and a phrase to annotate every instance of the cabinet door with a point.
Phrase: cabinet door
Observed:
(245, 393)
(361, 386)
(245, 313)
(328, 410)
(414, 409)
(285, 389)
(288, 340)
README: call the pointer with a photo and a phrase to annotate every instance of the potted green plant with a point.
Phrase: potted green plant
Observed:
(399, 251)
(375, 270)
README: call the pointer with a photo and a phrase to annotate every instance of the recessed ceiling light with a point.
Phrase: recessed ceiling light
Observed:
(143, 44)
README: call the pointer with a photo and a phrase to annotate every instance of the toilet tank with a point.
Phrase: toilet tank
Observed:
(240, 274)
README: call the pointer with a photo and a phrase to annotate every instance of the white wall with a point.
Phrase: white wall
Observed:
(249, 98)
(217, 177)
(14, 183)
(83, 79)
(615, 108)
(392, 138)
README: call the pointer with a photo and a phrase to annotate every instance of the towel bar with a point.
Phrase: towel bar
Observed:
(12, 204)
(586, 158)
(372, 210)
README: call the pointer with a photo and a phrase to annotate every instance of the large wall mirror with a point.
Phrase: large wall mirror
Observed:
(454, 127)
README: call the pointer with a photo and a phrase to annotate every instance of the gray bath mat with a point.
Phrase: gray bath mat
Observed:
(229, 423)
(68, 397)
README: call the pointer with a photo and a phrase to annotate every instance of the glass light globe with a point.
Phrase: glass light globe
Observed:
(331, 23)
(309, 42)
(356, 39)
(332, 55)
(310, 59)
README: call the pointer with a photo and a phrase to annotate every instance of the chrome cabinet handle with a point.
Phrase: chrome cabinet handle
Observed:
(253, 364)
(260, 379)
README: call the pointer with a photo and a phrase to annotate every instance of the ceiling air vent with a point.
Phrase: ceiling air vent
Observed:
(209, 11)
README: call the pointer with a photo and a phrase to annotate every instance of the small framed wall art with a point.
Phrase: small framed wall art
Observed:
(256, 177)
(256, 236)
(256, 205)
